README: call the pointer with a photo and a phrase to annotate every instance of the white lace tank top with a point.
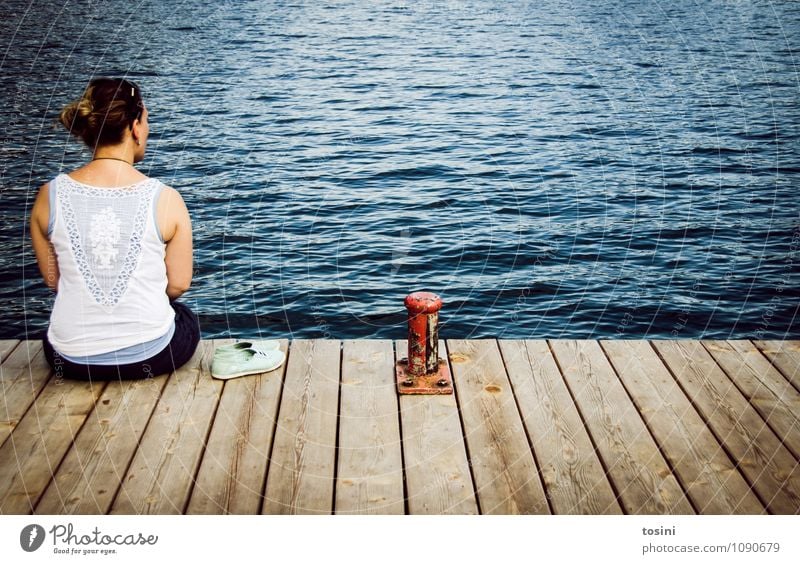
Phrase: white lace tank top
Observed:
(113, 279)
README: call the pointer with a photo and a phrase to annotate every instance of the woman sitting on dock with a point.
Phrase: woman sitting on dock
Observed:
(116, 246)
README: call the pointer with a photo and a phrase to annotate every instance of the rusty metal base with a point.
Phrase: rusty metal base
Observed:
(439, 382)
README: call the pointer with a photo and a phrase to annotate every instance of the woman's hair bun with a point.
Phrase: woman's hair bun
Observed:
(85, 107)
(76, 115)
(106, 109)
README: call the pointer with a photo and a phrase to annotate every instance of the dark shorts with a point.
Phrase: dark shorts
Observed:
(180, 349)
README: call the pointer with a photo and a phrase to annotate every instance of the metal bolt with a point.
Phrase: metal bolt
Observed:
(442, 383)
(408, 382)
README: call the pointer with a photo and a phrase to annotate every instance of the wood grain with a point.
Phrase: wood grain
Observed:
(89, 478)
(785, 355)
(301, 471)
(234, 467)
(161, 475)
(573, 476)
(370, 472)
(775, 399)
(709, 477)
(721, 415)
(6, 346)
(438, 476)
(506, 477)
(33, 452)
(23, 375)
(770, 469)
(642, 478)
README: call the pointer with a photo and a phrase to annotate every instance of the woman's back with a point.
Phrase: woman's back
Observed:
(116, 246)
(113, 279)
(107, 173)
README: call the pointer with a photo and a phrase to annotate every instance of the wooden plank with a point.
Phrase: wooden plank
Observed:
(160, 477)
(23, 375)
(6, 346)
(369, 479)
(785, 355)
(771, 469)
(506, 477)
(709, 477)
(29, 458)
(643, 479)
(574, 478)
(234, 467)
(89, 478)
(768, 391)
(301, 471)
(438, 476)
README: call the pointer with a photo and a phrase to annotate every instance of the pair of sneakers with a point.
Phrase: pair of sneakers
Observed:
(246, 357)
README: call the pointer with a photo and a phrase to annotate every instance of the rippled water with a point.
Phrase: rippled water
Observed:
(551, 169)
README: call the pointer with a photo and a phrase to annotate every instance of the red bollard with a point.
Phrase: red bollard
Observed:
(423, 372)
(423, 332)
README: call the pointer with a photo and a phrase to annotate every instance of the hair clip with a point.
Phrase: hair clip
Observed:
(132, 92)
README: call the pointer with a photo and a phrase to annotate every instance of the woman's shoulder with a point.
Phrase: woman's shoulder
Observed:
(170, 204)
(171, 212)
(169, 194)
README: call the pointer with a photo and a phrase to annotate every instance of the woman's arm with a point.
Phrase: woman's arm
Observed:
(176, 229)
(45, 254)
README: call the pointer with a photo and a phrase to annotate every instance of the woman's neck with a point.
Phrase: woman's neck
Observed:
(122, 152)
(96, 158)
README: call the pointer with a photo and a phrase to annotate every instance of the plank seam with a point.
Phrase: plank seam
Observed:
(779, 436)
(463, 432)
(725, 449)
(35, 503)
(550, 508)
(69, 449)
(11, 351)
(660, 448)
(338, 429)
(138, 445)
(774, 365)
(263, 496)
(615, 491)
(204, 448)
(38, 394)
(406, 510)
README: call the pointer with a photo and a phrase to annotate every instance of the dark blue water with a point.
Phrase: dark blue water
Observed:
(551, 169)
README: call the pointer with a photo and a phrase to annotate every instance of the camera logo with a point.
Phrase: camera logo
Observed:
(31, 538)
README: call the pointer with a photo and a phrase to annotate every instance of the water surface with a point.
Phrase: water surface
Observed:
(551, 169)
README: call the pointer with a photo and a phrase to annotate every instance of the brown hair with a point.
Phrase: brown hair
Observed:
(107, 108)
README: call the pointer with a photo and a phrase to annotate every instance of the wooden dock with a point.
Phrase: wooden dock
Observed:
(535, 427)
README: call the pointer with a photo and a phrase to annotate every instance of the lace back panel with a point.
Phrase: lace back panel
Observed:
(105, 228)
